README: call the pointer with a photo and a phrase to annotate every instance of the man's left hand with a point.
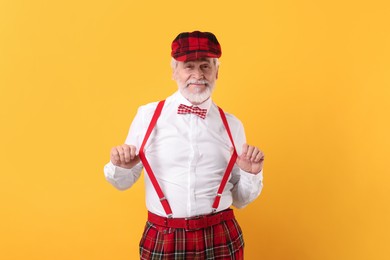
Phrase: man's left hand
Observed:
(251, 159)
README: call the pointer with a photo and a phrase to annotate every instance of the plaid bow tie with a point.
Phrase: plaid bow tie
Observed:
(183, 109)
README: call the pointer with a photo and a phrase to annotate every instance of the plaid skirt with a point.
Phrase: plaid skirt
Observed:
(223, 241)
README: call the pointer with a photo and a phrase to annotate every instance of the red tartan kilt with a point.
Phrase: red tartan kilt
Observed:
(221, 241)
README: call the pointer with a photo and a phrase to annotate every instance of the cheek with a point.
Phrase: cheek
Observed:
(211, 78)
(179, 75)
(176, 75)
(212, 75)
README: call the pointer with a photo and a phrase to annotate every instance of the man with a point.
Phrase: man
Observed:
(196, 160)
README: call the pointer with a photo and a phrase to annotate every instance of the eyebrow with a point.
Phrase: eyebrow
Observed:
(201, 59)
(204, 59)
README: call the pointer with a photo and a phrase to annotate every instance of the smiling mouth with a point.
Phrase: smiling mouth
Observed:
(197, 84)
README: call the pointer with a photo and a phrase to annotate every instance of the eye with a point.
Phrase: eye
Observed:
(205, 66)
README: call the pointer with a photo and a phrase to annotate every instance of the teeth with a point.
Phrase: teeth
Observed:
(197, 82)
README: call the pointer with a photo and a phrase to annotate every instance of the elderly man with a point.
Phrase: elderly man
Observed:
(196, 160)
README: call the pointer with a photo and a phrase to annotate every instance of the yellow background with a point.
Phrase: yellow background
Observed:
(310, 80)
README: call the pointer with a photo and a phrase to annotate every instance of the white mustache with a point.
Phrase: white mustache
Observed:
(194, 81)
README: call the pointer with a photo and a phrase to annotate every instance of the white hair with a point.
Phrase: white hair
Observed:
(175, 62)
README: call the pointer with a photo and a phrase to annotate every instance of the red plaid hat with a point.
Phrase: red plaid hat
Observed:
(195, 45)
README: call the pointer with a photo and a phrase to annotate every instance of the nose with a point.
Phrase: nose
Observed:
(198, 73)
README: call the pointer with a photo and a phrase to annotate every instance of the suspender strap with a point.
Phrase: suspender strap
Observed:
(163, 200)
(229, 168)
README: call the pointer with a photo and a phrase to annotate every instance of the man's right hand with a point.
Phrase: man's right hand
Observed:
(124, 156)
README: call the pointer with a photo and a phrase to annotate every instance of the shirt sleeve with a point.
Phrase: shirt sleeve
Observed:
(246, 186)
(122, 178)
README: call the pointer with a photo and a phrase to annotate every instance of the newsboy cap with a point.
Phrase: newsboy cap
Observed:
(195, 45)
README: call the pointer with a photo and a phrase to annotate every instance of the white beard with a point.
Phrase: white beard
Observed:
(196, 98)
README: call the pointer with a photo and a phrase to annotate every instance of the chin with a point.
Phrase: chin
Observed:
(196, 98)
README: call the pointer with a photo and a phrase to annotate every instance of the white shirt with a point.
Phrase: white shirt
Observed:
(188, 156)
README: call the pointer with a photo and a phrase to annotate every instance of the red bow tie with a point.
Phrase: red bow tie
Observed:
(183, 109)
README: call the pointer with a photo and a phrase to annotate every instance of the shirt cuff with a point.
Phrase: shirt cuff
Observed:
(122, 178)
(251, 178)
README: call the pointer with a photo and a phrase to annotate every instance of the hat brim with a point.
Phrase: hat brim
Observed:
(196, 55)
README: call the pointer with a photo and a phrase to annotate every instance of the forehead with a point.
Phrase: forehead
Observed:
(201, 60)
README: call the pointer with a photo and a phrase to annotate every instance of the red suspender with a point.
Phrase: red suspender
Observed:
(230, 165)
(163, 200)
(145, 162)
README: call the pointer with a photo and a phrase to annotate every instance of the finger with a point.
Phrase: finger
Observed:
(114, 156)
(255, 152)
(126, 152)
(132, 152)
(121, 154)
(259, 157)
(249, 152)
(244, 150)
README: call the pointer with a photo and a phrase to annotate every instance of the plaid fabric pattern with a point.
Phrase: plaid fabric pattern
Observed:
(183, 109)
(195, 45)
(223, 241)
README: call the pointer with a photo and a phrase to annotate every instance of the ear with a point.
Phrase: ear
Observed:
(216, 75)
